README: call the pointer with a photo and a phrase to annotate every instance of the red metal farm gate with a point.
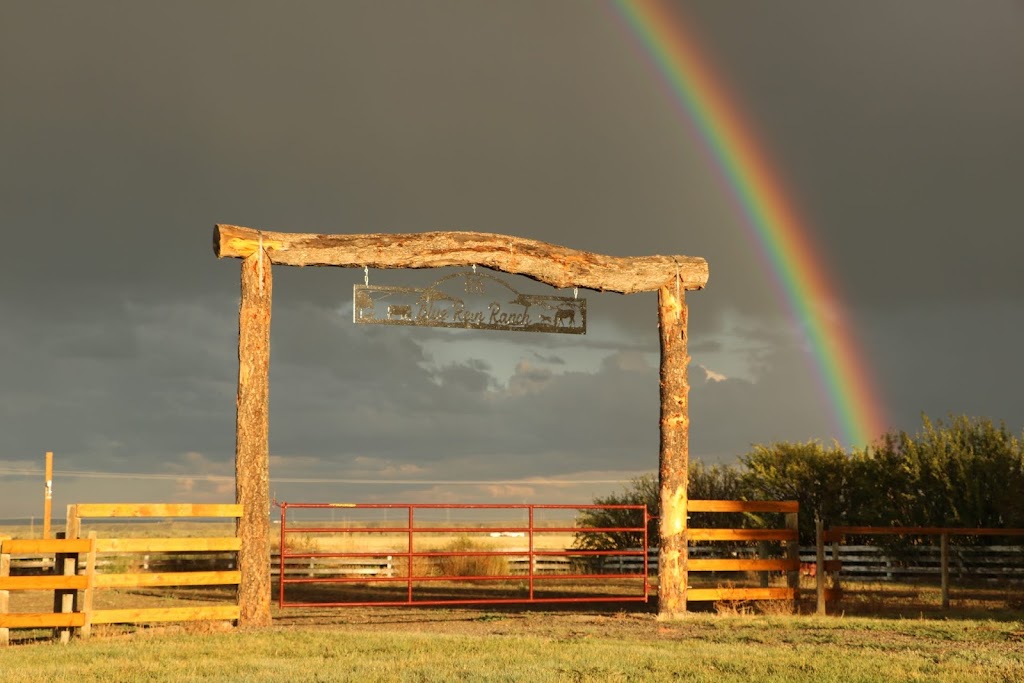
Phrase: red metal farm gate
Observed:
(386, 554)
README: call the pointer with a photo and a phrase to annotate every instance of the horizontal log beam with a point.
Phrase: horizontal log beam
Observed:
(548, 263)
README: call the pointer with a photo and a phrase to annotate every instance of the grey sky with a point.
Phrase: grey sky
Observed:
(128, 129)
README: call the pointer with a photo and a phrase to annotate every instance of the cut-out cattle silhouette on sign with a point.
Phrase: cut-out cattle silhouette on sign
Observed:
(470, 300)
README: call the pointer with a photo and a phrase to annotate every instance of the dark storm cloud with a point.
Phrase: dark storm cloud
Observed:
(128, 130)
(941, 362)
(891, 125)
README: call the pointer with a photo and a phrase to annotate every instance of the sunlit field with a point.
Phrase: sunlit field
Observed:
(878, 632)
(538, 645)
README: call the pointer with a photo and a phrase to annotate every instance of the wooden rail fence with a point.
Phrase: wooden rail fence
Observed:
(829, 571)
(64, 585)
(788, 534)
(67, 614)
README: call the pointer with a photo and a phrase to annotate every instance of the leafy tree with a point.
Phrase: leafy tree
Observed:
(819, 477)
(716, 482)
(641, 491)
(968, 473)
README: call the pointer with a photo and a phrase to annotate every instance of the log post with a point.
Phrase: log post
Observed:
(673, 462)
(252, 447)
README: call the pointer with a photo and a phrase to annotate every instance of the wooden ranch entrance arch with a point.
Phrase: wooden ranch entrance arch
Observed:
(557, 266)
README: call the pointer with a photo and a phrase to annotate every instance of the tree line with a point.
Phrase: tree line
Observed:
(963, 472)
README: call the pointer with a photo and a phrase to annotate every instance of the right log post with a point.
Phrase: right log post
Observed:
(674, 456)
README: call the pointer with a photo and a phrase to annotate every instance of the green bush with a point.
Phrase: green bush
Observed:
(968, 472)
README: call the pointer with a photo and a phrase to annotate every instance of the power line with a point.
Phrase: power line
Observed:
(533, 481)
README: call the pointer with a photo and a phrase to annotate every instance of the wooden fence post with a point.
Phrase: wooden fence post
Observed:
(674, 456)
(252, 449)
(87, 596)
(64, 599)
(819, 561)
(793, 554)
(5, 605)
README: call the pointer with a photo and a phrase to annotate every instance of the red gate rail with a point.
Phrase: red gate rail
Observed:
(552, 575)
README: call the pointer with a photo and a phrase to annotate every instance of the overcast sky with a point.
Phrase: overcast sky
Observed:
(128, 129)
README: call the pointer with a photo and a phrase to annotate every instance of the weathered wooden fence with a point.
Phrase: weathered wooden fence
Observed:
(836, 561)
(122, 574)
(64, 585)
(787, 534)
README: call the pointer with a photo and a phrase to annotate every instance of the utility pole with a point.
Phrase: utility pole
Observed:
(48, 495)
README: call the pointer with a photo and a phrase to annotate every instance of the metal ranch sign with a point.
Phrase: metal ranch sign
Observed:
(468, 300)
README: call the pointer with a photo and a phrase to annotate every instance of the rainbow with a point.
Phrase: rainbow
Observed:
(773, 222)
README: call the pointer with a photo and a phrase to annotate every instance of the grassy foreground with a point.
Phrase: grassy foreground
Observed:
(443, 645)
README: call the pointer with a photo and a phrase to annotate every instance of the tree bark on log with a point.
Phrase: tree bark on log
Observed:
(674, 456)
(252, 450)
(548, 263)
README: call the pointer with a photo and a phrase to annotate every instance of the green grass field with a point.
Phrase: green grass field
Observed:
(475, 645)
(890, 633)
